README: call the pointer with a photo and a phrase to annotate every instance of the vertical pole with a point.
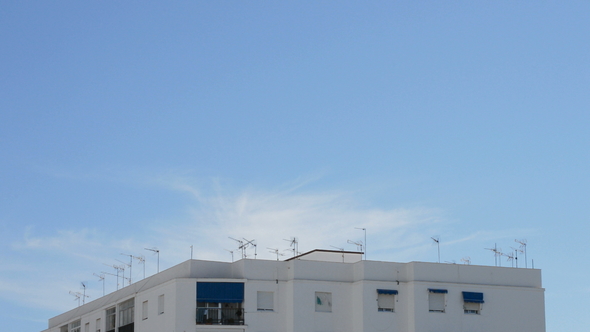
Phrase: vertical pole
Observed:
(364, 230)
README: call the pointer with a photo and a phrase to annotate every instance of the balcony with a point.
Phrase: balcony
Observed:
(220, 316)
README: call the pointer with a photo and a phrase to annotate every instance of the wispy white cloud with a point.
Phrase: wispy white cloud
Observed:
(319, 219)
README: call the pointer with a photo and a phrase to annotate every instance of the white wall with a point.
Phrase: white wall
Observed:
(514, 299)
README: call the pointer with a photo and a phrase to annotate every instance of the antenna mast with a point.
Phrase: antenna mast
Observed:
(130, 266)
(359, 245)
(523, 245)
(141, 260)
(253, 243)
(341, 249)
(232, 254)
(276, 251)
(117, 268)
(241, 246)
(156, 250)
(295, 244)
(364, 230)
(100, 278)
(497, 254)
(79, 295)
(437, 241)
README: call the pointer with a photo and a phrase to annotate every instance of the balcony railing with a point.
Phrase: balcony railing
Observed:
(220, 316)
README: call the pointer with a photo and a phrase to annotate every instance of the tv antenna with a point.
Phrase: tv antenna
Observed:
(84, 294)
(359, 244)
(523, 245)
(100, 278)
(364, 230)
(341, 249)
(509, 257)
(295, 244)
(117, 268)
(516, 251)
(466, 260)
(157, 251)
(130, 265)
(497, 253)
(115, 275)
(276, 251)
(437, 241)
(241, 246)
(253, 243)
(79, 295)
(232, 254)
(141, 260)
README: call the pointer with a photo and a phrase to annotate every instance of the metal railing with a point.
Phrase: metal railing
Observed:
(220, 316)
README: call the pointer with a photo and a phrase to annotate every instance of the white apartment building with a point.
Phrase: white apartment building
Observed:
(320, 291)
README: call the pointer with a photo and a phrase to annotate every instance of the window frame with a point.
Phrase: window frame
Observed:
(472, 308)
(144, 310)
(126, 312)
(433, 294)
(383, 300)
(472, 303)
(161, 304)
(320, 298)
(263, 302)
(111, 324)
(75, 326)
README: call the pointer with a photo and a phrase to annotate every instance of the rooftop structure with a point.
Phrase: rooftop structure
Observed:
(322, 290)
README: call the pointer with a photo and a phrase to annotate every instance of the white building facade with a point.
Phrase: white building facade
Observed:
(321, 291)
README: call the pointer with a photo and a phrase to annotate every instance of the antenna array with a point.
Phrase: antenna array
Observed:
(100, 278)
(295, 244)
(276, 251)
(359, 244)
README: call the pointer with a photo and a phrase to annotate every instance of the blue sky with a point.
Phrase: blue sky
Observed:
(132, 125)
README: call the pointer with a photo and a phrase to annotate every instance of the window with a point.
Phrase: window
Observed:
(63, 328)
(75, 326)
(436, 300)
(98, 325)
(111, 315)
(386, 300)
(323, 302)
(161, 304)
(265, 301)
(87, 327)
(220, 303)
(471, 308)
(126, 312)
(472, 302)
(144, 310)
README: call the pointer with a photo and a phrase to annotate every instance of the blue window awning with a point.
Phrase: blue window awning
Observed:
(221, 292)
(387, 291)
(441, 291)
(473, 297)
